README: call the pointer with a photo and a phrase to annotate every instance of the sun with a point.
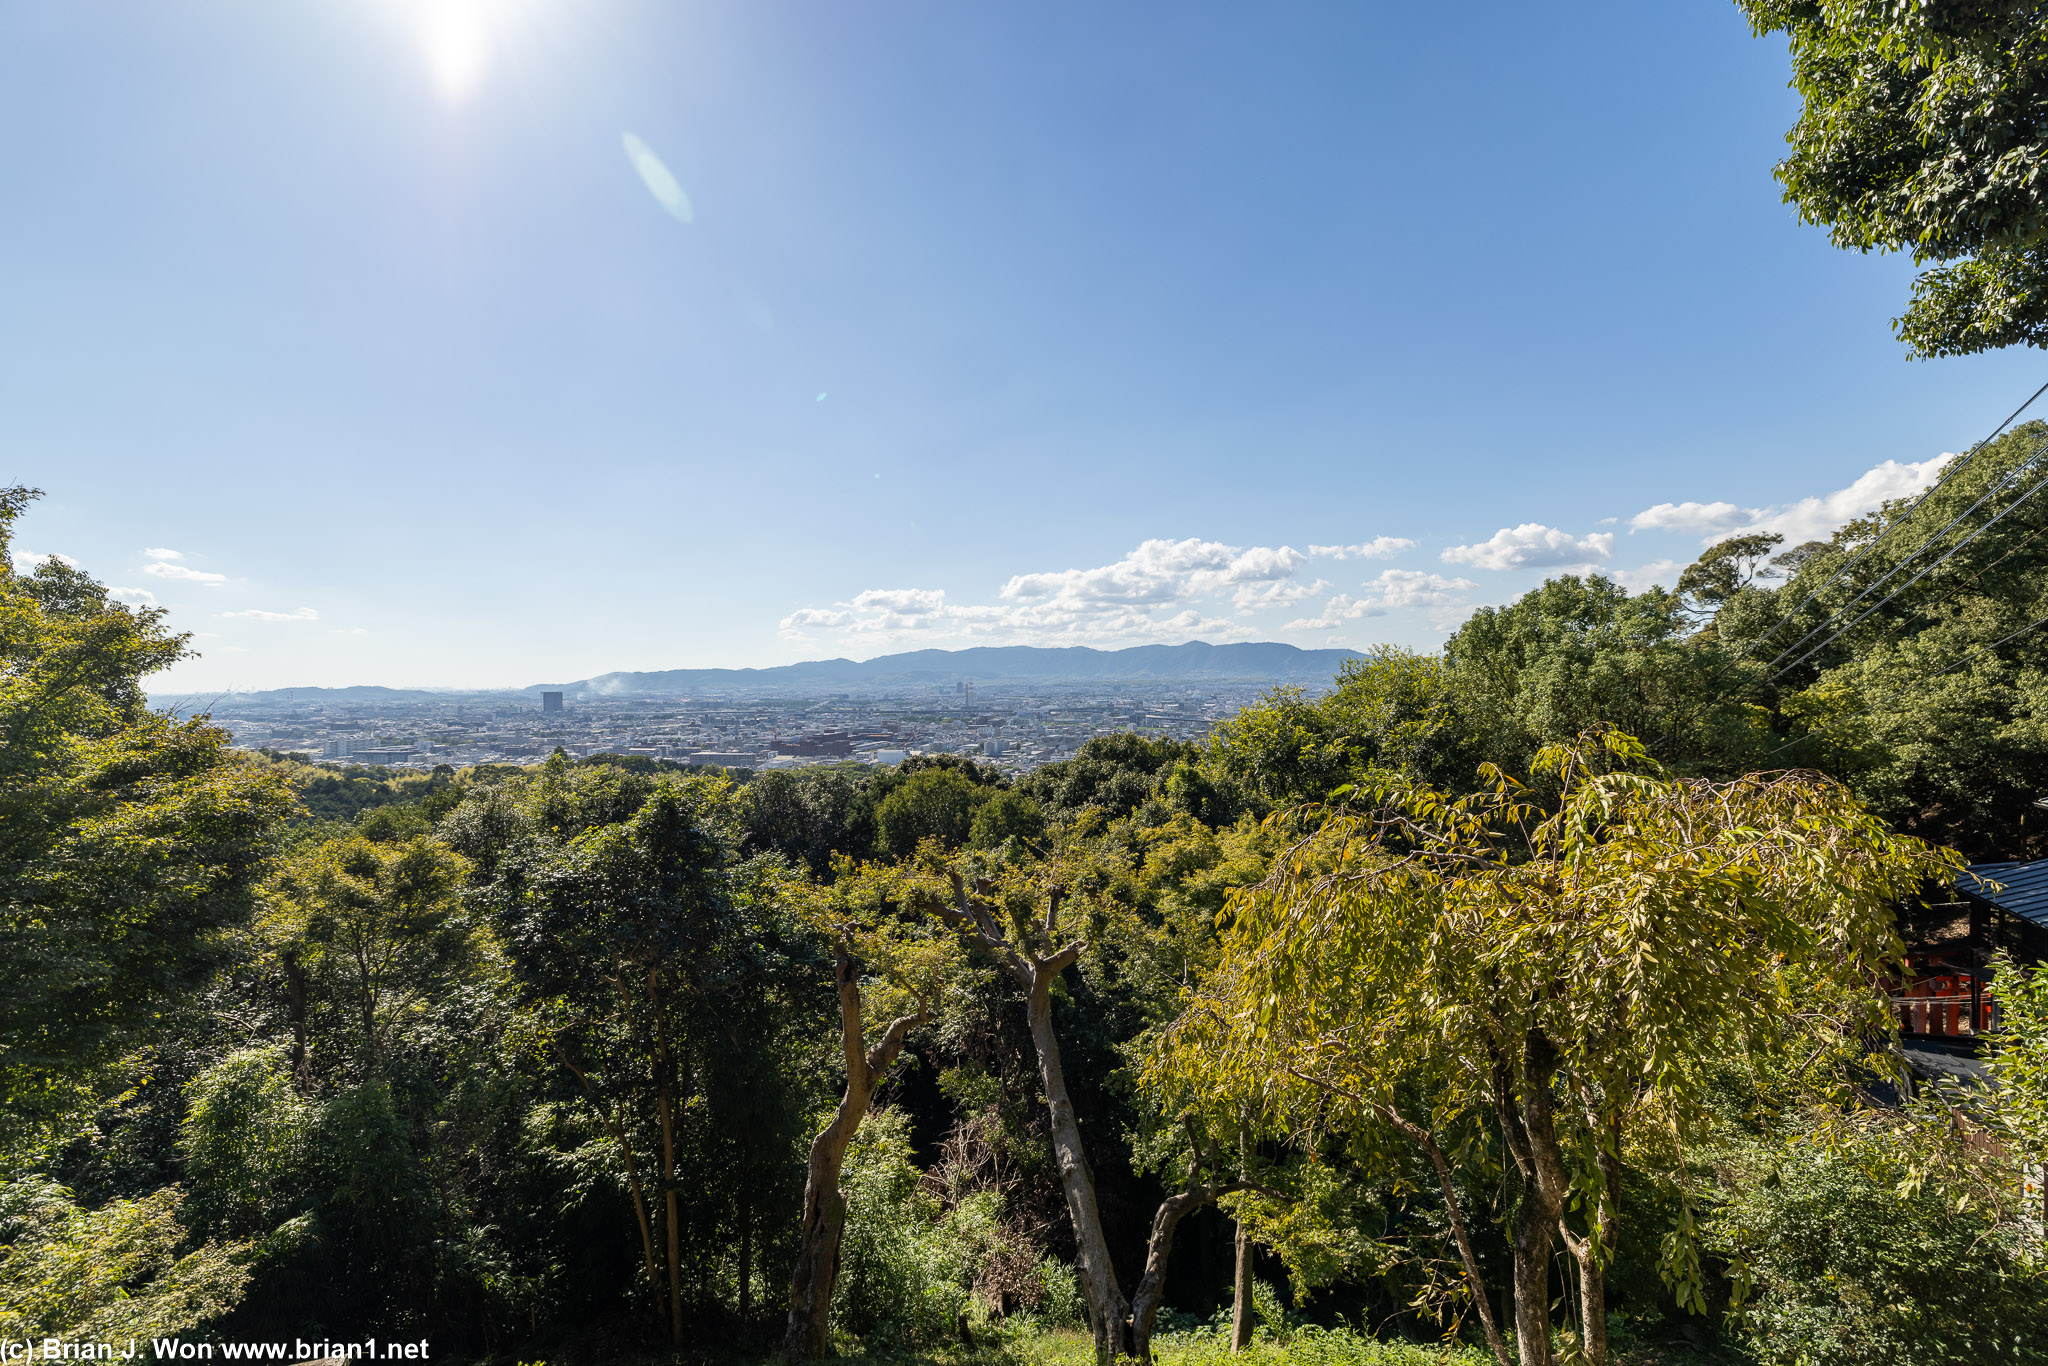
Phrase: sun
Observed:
(457, 39)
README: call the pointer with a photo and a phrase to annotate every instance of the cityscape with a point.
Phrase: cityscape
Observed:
(1015, 727)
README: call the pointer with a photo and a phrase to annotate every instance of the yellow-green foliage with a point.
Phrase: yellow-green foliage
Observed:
(109, 1274)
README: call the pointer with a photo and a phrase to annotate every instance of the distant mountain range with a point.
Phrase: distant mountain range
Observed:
(1194, 662)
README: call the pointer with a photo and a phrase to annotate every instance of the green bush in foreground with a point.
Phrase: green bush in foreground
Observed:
(1854, 1265)
(1307, 1346)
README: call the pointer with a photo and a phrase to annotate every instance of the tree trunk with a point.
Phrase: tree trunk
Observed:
(1243, 1317)
(673, 1217)
(1151, 1293)
(1532, 1284)
(1107, 1309)
(1591, 1253)
(611, 1121)
(1426, 1140)
(295, 986)
(664, 1063)
(746, 1263)
(1592, 1305)
(808, 1332)
(1455, 1210)
(1528, 1123)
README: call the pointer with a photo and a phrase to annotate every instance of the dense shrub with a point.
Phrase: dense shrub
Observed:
(1854, 1263)
(900, 1279)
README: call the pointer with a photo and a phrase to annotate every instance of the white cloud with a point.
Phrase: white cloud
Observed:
(164, 569)
(26, 561)
(258, 614)
(1158, 591)
(1414, 588)
(1336, 611)
(1159, 572)
(1816, 519)
(1532, 546)
(1439, 598)
(1808, 519)
(1663, 572)
(909, 602)
(815, 616)
(1162, 590)
(159, 553)
(1378, 548)
(134, 597)
(1262, 597)
(1704, 517)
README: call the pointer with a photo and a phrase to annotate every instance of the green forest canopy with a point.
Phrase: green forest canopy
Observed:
(582, 1059)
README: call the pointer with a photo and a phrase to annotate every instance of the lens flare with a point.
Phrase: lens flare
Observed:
(664, 187)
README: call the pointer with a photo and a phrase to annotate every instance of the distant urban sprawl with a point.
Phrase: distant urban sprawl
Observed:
(1015, 727)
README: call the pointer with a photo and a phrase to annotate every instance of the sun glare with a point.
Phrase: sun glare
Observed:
(457, 39)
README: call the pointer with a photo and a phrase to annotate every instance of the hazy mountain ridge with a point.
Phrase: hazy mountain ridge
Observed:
(1195, 661)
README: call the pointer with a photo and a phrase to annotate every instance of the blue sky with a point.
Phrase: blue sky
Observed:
(477, 342)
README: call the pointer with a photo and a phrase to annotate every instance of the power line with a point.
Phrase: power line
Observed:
(1990, 493)
(1955, 467)
(1967, 584)
(2034, 625)
(2038, 485)
(1864, 710)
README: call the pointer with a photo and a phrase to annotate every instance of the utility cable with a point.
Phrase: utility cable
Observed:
(1864, 710)
(1961, 588)
(2033, 625)
(2013, 506)
(1954, 467)
(2011, 478)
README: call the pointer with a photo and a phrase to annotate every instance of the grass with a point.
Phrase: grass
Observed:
(1304, 1347)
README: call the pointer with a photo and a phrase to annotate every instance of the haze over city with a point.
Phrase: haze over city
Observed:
(471, 344)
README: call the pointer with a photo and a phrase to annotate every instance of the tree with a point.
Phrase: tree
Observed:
(380, 929)
(856, 915)
(1033, 956)
(627, 940)
(1921, 129)
(1568, 960)
(1213, 1171)
(1008, 815)
(125, 1271)
(1726, 569)
(1578, 654)
(128, 840)
(2019, 1062)
(1113, 773)
(1392, 710)
(806, 816)
(934, 803)
(1893, 1233)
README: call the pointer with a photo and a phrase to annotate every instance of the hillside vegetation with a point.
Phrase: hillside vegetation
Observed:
(1522, 1003)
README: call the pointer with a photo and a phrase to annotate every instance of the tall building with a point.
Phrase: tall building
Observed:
(550, 701)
